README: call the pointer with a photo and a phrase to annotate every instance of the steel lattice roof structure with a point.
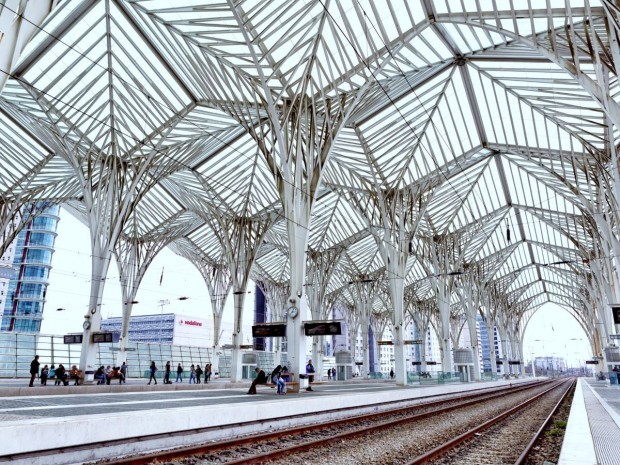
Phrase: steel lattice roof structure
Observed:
(474, 141)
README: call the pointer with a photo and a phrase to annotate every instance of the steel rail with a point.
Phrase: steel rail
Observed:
(309, 445)
(460, 439)
(539, 433)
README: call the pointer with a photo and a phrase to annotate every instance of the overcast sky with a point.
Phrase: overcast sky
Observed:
(552, 331)
(69, 285)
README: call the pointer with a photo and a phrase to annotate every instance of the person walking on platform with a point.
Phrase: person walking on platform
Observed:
(207, 373)
(152, 370)
(310, 374)
(198, 374)
(167, 373)
(192, 374)
(34, 370)
(179, 373)
(261, 378)
(123, 372)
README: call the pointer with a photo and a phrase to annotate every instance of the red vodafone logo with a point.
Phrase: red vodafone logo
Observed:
(190, 322)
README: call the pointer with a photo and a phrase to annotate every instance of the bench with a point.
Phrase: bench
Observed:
(120, 378)
(291, 386)
(57, 382)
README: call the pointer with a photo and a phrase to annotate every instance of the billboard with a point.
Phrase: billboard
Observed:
(190, 331)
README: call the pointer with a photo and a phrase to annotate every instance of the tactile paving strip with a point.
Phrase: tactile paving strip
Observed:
(605, 432)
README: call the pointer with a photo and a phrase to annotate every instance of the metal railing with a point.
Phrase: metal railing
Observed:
(17, 351)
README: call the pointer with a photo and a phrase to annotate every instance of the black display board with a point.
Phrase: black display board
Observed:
(323, 328)
(99, 338)
(72, 338)
(269, 330)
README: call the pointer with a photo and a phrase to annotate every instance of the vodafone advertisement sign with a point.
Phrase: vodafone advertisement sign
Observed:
(190, 331)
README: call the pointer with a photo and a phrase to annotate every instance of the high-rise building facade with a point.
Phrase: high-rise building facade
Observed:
(22, 292)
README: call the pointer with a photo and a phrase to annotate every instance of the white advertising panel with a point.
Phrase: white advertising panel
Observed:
(191, 331)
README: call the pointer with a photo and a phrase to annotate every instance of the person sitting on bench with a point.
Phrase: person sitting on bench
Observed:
(281, 380)
(100, 375)
(261, 378)
(61, 376)
(115, 373)
(75, 374)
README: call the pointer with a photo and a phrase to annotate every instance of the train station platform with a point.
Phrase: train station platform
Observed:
(35, 424)
(593, 431)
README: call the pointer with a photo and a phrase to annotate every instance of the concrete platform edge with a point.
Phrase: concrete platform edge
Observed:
(578, 446)
(66, 432)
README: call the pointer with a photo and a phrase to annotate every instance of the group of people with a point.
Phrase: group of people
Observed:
(279, 376)
(60, 374)
(331, 374)
(105, 375)
(195, 373)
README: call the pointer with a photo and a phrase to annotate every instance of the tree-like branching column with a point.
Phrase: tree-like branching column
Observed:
(320, 268)
(134, 253)
(240, 239)
(393, 217)
(218, 280)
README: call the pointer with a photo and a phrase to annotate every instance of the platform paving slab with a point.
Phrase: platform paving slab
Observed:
(593, 431)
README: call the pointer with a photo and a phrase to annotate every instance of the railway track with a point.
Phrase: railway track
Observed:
(326, 439)
(504, 439)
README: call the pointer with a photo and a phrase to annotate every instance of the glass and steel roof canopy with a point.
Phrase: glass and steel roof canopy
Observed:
(482, 113)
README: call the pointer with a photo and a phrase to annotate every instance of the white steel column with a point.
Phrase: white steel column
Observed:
(503, 336)
(298, 223)
(421, 319)
(240, 238)
(100, 262)
(219, 283)
(320, 266)
(276, 296)
(364, 288)
(393, 218)
(218, 280)
(443, 302)
(473, 337)
(133, 257)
